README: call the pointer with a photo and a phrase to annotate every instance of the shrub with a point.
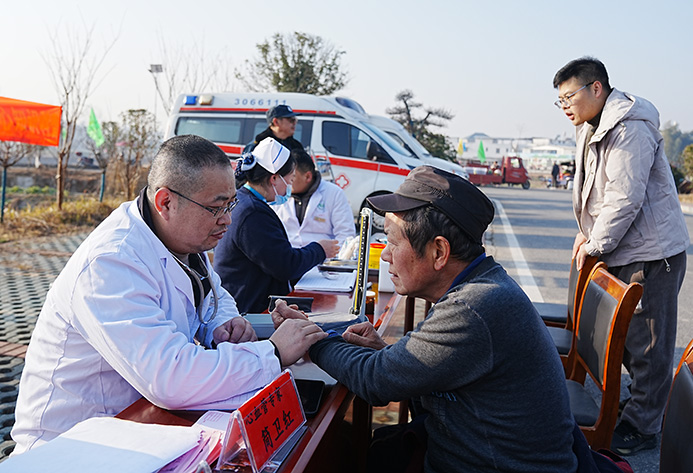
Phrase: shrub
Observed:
(83, 213)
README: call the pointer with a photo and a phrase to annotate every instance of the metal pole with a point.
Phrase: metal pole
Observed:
(103, 185)
(4, 186)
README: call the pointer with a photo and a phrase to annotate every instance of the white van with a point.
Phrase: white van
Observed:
(416, 151)
(364, 160)
(404, 138)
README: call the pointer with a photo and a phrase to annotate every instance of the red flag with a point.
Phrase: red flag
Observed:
(29, 122)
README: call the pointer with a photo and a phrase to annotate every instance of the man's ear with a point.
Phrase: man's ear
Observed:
(162, 202)
(598, 89)
(440, 252)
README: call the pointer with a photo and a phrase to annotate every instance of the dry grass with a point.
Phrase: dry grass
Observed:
(686, 198)
(80, 214)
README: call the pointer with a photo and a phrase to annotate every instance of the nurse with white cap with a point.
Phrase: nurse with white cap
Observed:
(255, 258)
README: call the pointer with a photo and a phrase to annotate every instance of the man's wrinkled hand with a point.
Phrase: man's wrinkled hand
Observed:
(283, 312)
(364, 335)
(236, 330)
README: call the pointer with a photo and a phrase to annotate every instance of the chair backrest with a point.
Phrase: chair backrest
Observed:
(676, 455)
(576, 287)
(601, 326)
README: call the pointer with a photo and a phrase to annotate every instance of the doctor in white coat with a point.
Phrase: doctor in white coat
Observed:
(139, 311)
(318, 209)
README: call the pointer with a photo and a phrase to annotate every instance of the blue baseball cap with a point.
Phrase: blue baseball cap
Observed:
(280, 111)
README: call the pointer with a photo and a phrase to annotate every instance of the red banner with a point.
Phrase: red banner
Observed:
(29, 122)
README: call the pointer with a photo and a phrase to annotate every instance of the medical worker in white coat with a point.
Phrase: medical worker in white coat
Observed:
(318, 209)
(138, 310)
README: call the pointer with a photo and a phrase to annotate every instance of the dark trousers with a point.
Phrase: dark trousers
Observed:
(651, 339)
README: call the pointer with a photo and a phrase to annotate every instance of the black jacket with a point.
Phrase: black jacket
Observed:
(255, 259)
(291, 143)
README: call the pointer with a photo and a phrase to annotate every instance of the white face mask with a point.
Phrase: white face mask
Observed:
(281, 199)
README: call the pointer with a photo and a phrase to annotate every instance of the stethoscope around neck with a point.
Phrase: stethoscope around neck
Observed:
(197, 277)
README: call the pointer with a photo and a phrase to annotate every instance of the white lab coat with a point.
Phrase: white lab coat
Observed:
(328, 216)
(119, 323)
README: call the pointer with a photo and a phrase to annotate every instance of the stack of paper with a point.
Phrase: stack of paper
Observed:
(213, 425)
(107, 444)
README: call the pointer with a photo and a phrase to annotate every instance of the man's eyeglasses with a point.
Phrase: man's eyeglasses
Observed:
(217, 212)
(567, 101)
(291, 119)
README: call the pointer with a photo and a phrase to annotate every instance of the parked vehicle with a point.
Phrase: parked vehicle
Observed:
(404, 138)
(364, 160)
(509, 171)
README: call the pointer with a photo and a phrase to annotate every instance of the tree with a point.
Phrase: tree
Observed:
(189, 68)
(439, 145)
(133, 141)
(436, 144)
(74, 62)
(297, 62)
(687, 158)
(674, 142)
(11, 152)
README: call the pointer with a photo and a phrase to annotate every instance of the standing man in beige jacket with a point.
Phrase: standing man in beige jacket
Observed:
(629, 215)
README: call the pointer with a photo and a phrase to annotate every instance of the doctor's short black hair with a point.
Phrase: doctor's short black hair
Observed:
(180, 161)
(304, 162)
(586, 69)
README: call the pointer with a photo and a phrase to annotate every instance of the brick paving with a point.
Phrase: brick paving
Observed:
(28, 268)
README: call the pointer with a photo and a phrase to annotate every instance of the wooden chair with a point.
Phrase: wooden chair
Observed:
(559, 314)
(563, 334)
(676, 454)
(601, 327)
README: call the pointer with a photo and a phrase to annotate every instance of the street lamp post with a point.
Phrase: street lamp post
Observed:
(155, 69)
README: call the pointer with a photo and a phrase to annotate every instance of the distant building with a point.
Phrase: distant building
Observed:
(538, 153)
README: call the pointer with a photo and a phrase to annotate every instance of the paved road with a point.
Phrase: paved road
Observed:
(532, 237)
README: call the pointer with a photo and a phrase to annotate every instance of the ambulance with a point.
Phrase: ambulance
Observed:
(364, 160)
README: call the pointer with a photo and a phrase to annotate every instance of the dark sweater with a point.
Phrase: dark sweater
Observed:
(484, 367)
(290, 142)
(255, 259)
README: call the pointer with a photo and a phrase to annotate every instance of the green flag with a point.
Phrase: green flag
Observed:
(481, 154)
(94, 130)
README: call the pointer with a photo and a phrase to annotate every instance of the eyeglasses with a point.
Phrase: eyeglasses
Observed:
(291, 119)
(567, 100)
(217, 212)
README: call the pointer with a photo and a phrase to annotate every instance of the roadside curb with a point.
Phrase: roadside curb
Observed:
(687, 209)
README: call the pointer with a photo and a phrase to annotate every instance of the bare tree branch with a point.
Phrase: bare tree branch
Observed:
(74, 62)
(190, 69)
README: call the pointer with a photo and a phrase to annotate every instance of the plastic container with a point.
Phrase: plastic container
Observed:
(374, 255)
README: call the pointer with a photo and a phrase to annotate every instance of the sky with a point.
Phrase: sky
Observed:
(490, 63)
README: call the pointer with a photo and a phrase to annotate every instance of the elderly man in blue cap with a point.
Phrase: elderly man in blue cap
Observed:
(481, 364)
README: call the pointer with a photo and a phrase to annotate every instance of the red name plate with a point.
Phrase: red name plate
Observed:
(270, 417)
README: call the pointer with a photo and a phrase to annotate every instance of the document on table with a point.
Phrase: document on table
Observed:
(108, 444)
(315, 280)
